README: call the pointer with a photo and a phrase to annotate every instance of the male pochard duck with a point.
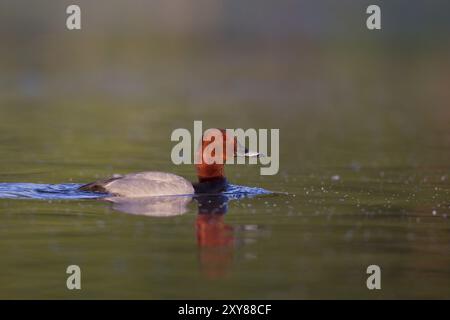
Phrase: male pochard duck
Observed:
(211, 178)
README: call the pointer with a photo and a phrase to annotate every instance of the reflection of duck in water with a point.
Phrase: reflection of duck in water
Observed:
(211, 178)
(164, 206)
(214, 238)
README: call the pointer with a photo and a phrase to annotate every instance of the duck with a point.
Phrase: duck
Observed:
(210, 173)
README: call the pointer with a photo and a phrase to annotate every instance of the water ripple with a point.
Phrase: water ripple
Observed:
(69, 191)
(45, 191)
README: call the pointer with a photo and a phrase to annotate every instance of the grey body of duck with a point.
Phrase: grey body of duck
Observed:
(142, 184)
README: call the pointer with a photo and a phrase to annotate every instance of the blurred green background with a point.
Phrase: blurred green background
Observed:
(364, 142)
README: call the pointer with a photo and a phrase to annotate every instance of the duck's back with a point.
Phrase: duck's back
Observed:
(143, 184)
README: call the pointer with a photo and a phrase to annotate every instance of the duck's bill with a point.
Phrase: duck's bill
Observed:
(248, 154)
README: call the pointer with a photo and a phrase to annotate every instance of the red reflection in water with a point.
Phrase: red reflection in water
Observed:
(215, 238)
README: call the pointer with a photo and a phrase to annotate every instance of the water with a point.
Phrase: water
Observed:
(41, 191)
(352, 200)
(68, 191)
(364, 151)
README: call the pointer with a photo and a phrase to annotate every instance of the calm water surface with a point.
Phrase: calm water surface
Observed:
(365, 159)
